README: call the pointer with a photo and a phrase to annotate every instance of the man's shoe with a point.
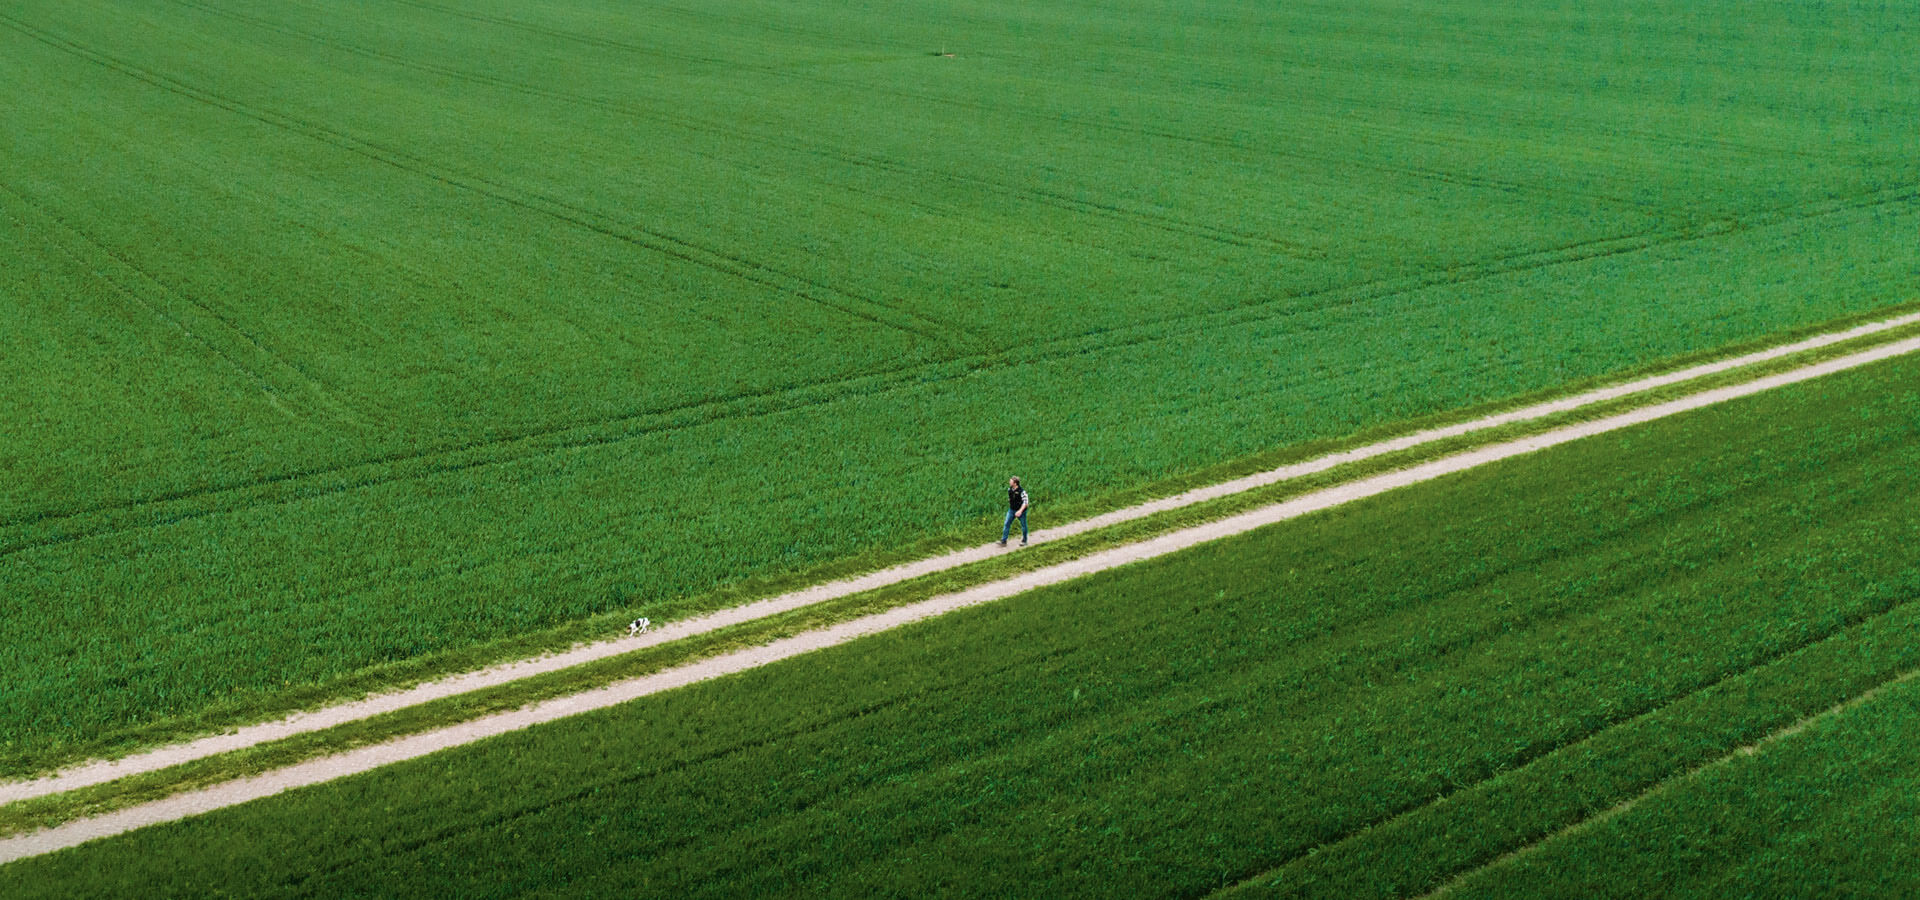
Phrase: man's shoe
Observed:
(1003, 543)
(1023, 543)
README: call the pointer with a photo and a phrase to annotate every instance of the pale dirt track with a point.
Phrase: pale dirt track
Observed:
(100, 772)
(368, 758)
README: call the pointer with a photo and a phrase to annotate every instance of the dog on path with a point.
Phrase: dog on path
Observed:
(639, 626)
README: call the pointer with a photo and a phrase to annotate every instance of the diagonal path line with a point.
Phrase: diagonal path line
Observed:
(100, 772)
(364, 759)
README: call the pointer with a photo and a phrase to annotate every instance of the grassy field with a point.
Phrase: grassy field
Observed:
(345, 333)
(1361, 703)
(1826, 813)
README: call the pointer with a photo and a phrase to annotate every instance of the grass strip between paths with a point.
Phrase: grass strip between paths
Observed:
(1045, 564)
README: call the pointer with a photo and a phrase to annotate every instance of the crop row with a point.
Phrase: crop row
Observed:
(1198, 721)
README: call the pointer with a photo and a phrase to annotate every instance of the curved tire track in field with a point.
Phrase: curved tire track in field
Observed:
(1091, 341)
(540, 442)
(413, 746)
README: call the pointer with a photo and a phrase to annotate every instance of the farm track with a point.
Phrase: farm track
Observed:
(1325, 160)
(161, 509)
(502, 674)
(789, 142)
(412, 746)
(743, 268)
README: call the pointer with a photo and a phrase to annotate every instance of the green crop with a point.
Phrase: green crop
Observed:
(1465, 665)
(344, 335)
(1829, 812)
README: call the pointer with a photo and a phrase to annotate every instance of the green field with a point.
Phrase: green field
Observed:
(1828, 813)
(1361, 703)
(346, 333)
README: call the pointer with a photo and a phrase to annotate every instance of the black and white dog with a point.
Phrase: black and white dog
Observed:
(639, 626)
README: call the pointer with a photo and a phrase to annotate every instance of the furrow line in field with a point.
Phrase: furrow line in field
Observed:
(1066, 346)
(1481, 182)
(1654, 789)
(535, 444)
(160, 315)
(542, 442)
(748, 270)
(1074, 344)
(785, 398)
(1626, 718)
(363, 759)
(790, 142)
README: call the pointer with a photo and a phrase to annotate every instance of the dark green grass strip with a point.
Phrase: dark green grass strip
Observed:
(1831, 811)
(1169, 728)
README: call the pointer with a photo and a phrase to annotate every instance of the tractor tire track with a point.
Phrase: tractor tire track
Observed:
(945, 687)
(1649, 790)
(525, 446)
(1095, 340)
(452, 685)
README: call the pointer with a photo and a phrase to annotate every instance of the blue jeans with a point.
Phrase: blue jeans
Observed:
(1007, 528)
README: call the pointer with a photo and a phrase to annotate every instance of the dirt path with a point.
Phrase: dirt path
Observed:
(100, 772)
(372, 757)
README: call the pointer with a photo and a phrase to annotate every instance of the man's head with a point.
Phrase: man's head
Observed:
(1013, 482)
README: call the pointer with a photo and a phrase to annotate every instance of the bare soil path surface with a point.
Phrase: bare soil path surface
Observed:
(371, 757)
(102, 771)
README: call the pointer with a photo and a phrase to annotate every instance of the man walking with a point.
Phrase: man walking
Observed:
(1016, 509)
